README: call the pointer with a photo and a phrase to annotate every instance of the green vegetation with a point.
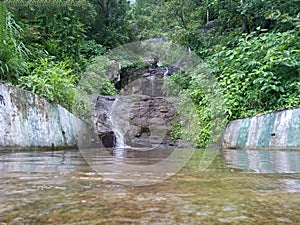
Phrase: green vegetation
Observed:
(13, 53)
(251, 47)
(185, 85)
(47, 45)
(261, 73)
(51, 80)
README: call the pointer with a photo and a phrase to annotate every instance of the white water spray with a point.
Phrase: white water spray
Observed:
(166, 73)
(120, 122)
(152, 80)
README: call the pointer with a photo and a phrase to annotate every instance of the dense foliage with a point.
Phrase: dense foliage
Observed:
(13, 53)
(47, 45)
(51, 80)
(250, 46)
(262, 73)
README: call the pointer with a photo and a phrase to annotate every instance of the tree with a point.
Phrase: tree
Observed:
(111, 27)
(56, 29)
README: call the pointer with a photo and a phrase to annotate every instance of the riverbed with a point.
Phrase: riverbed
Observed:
(239, 187)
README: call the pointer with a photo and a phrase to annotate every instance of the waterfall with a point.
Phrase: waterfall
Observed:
(118, 133)
(152, 80)
(166, 73)
(123, 119)
(120, 139)
(119, 122)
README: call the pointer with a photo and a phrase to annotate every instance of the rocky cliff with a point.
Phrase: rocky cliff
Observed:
(141, 116)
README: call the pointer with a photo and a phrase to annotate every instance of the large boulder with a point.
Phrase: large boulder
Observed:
(143, 121)
(142, 116)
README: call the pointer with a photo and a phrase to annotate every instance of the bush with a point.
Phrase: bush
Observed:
(260, 74)
(200, 105)
(13, 53)
(51, 80)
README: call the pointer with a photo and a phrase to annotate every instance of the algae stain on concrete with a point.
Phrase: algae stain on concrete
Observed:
(28, 120)
(294, 131)
(243, 133)
(266, 130)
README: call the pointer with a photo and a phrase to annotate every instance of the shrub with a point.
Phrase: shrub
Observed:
(260, 74)
(12, 51)
(51, 80)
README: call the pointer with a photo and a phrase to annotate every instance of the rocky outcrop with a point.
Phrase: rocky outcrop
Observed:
(145, 81)
(28, 120)
(150, 121)
(102, 120)
(277, 130)
(143, 121)
(141, 116)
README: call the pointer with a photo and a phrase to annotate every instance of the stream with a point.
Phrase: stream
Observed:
(239, 187)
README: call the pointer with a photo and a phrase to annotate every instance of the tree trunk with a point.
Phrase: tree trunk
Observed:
(246, 27)
(104, 6)
(207, 15)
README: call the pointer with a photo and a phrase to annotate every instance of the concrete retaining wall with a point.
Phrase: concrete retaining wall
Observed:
(28, 120)
(278, 130)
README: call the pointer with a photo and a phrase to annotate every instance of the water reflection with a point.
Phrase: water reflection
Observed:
(137, 166)
(61, 188)
(40, 162)
(264, 161)
(144, 156)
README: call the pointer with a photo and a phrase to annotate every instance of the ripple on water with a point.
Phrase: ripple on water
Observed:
(72, 193)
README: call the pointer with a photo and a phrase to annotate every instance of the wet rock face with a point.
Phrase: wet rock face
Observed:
(146, 81)
(102, 113)
(143, 120)
(149, 83)
(102, 120)
(108, 139)
(142, 115)
(150, 122)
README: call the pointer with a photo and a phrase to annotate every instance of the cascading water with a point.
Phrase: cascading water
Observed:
(166, 73)
(119, 122)
(125, 119)
(152, 80)
(119, 137)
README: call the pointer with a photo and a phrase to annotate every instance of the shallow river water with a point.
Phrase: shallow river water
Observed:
(239, 187)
